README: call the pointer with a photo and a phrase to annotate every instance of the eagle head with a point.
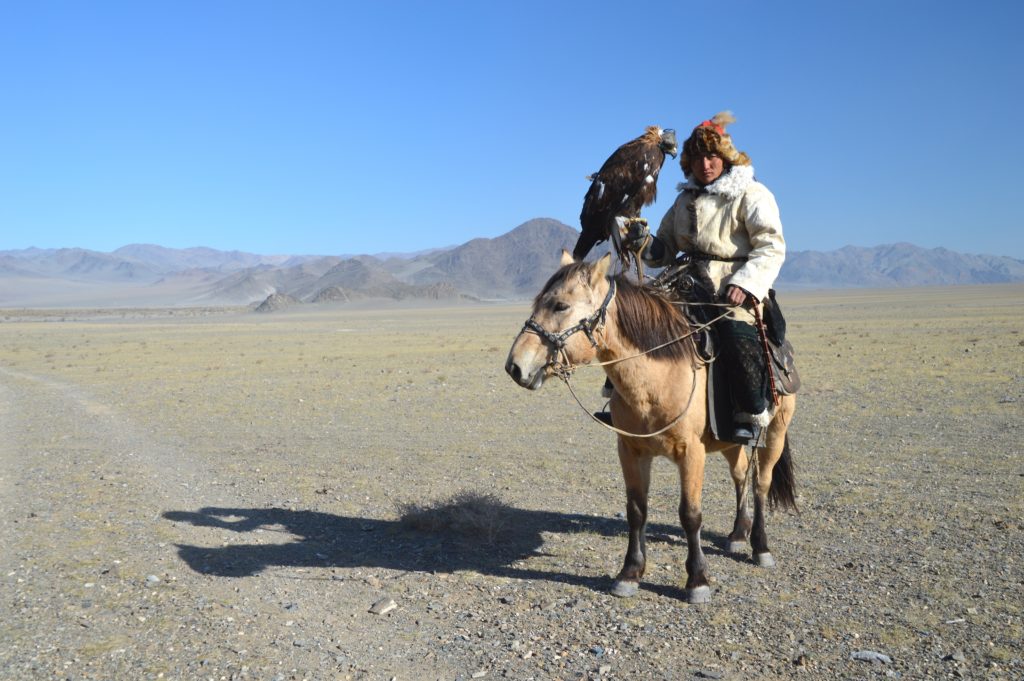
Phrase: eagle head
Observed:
(668, 142)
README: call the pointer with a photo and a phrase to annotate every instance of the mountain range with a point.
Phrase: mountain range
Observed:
(512, 266)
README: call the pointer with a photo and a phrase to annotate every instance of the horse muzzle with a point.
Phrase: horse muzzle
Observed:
(531, 380)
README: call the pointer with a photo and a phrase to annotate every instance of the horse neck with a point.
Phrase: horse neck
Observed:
(638, 377)
(612, 345)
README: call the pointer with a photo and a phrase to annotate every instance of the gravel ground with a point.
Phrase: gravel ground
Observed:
(363, 494)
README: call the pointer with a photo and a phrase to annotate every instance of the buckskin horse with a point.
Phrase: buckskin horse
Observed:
(658, 408)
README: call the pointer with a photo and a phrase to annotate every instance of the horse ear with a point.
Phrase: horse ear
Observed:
(566, 258)
(600, 270)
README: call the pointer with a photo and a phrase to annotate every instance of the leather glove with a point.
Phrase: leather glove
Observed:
(636, 235)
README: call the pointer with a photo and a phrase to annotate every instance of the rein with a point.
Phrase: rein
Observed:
(590, 325)
(667, 426)
(693, 332)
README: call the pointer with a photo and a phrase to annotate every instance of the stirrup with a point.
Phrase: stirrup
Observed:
(745, 434)
(607, 389)
(604, 417)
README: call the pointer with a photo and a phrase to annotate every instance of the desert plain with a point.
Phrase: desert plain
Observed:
(362, 493)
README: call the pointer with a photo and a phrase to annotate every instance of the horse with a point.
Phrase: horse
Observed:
(658, 408)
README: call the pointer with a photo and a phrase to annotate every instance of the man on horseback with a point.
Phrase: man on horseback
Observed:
(728, 224)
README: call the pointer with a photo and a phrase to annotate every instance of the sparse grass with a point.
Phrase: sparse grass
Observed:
(896, 637)
(468, 514)
(828, 632)
(723, 617)
(104, 646)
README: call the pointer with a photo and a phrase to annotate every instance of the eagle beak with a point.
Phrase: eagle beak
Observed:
(668, 142)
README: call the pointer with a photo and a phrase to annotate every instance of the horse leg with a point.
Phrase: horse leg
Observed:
(775, 452)
(636, 471)
(740, 535)
(691, 473)
(758, 536)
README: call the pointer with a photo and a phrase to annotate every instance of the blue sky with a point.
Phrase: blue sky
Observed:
(344, 127)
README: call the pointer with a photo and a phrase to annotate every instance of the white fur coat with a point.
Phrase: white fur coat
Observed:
(736, 216)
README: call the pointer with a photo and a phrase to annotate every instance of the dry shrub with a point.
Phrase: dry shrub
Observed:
(467, 514)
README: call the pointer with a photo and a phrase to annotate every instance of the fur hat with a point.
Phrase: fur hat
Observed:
(710, 138)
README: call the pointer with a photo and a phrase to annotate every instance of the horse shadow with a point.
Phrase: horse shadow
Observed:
(429, 542)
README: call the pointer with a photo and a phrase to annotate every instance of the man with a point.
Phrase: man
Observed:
(729, 224)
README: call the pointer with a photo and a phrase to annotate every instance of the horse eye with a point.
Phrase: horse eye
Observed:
(561, 306)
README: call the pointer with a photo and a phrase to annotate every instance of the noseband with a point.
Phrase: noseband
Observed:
(588, 326)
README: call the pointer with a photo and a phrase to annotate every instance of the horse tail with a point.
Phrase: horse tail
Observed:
(782, 492)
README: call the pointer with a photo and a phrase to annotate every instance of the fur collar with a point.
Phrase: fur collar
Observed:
(730, 184)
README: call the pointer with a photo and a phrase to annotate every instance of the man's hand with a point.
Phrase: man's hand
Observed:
(736, 295)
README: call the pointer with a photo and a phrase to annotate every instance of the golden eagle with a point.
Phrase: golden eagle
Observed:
(626, 182)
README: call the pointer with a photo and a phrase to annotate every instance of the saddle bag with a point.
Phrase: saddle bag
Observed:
(787, 380)
(774, 322)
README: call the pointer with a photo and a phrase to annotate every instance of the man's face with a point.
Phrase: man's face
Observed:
(707, 169)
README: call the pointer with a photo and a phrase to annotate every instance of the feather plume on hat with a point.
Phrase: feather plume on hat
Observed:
(710, 138)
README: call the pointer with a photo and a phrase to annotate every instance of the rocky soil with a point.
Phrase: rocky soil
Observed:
(363, 494)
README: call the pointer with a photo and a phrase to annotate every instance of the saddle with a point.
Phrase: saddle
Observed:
(691, 287)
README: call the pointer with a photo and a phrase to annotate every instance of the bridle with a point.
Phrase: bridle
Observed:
(589, 326)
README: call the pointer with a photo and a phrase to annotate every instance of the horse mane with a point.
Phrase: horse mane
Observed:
(647, 318)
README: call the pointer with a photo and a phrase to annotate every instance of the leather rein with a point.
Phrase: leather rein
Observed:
(590, 325)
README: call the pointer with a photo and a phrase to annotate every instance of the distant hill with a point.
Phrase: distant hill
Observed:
(256, 283)
(896, 265)
(512, 266)
(174, 260)
(76, 264)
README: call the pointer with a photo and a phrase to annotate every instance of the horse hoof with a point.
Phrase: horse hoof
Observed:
(737, 547)
(700, 594)
(764, 560)
(625, 589)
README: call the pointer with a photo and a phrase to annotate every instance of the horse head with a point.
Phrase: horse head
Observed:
(566, 314)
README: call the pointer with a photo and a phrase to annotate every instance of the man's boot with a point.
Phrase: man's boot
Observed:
(607, 389)
(742, 357)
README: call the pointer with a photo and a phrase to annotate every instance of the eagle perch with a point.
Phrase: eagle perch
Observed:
(626, 182)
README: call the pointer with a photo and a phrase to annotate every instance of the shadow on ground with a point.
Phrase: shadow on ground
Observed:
(327, 540)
